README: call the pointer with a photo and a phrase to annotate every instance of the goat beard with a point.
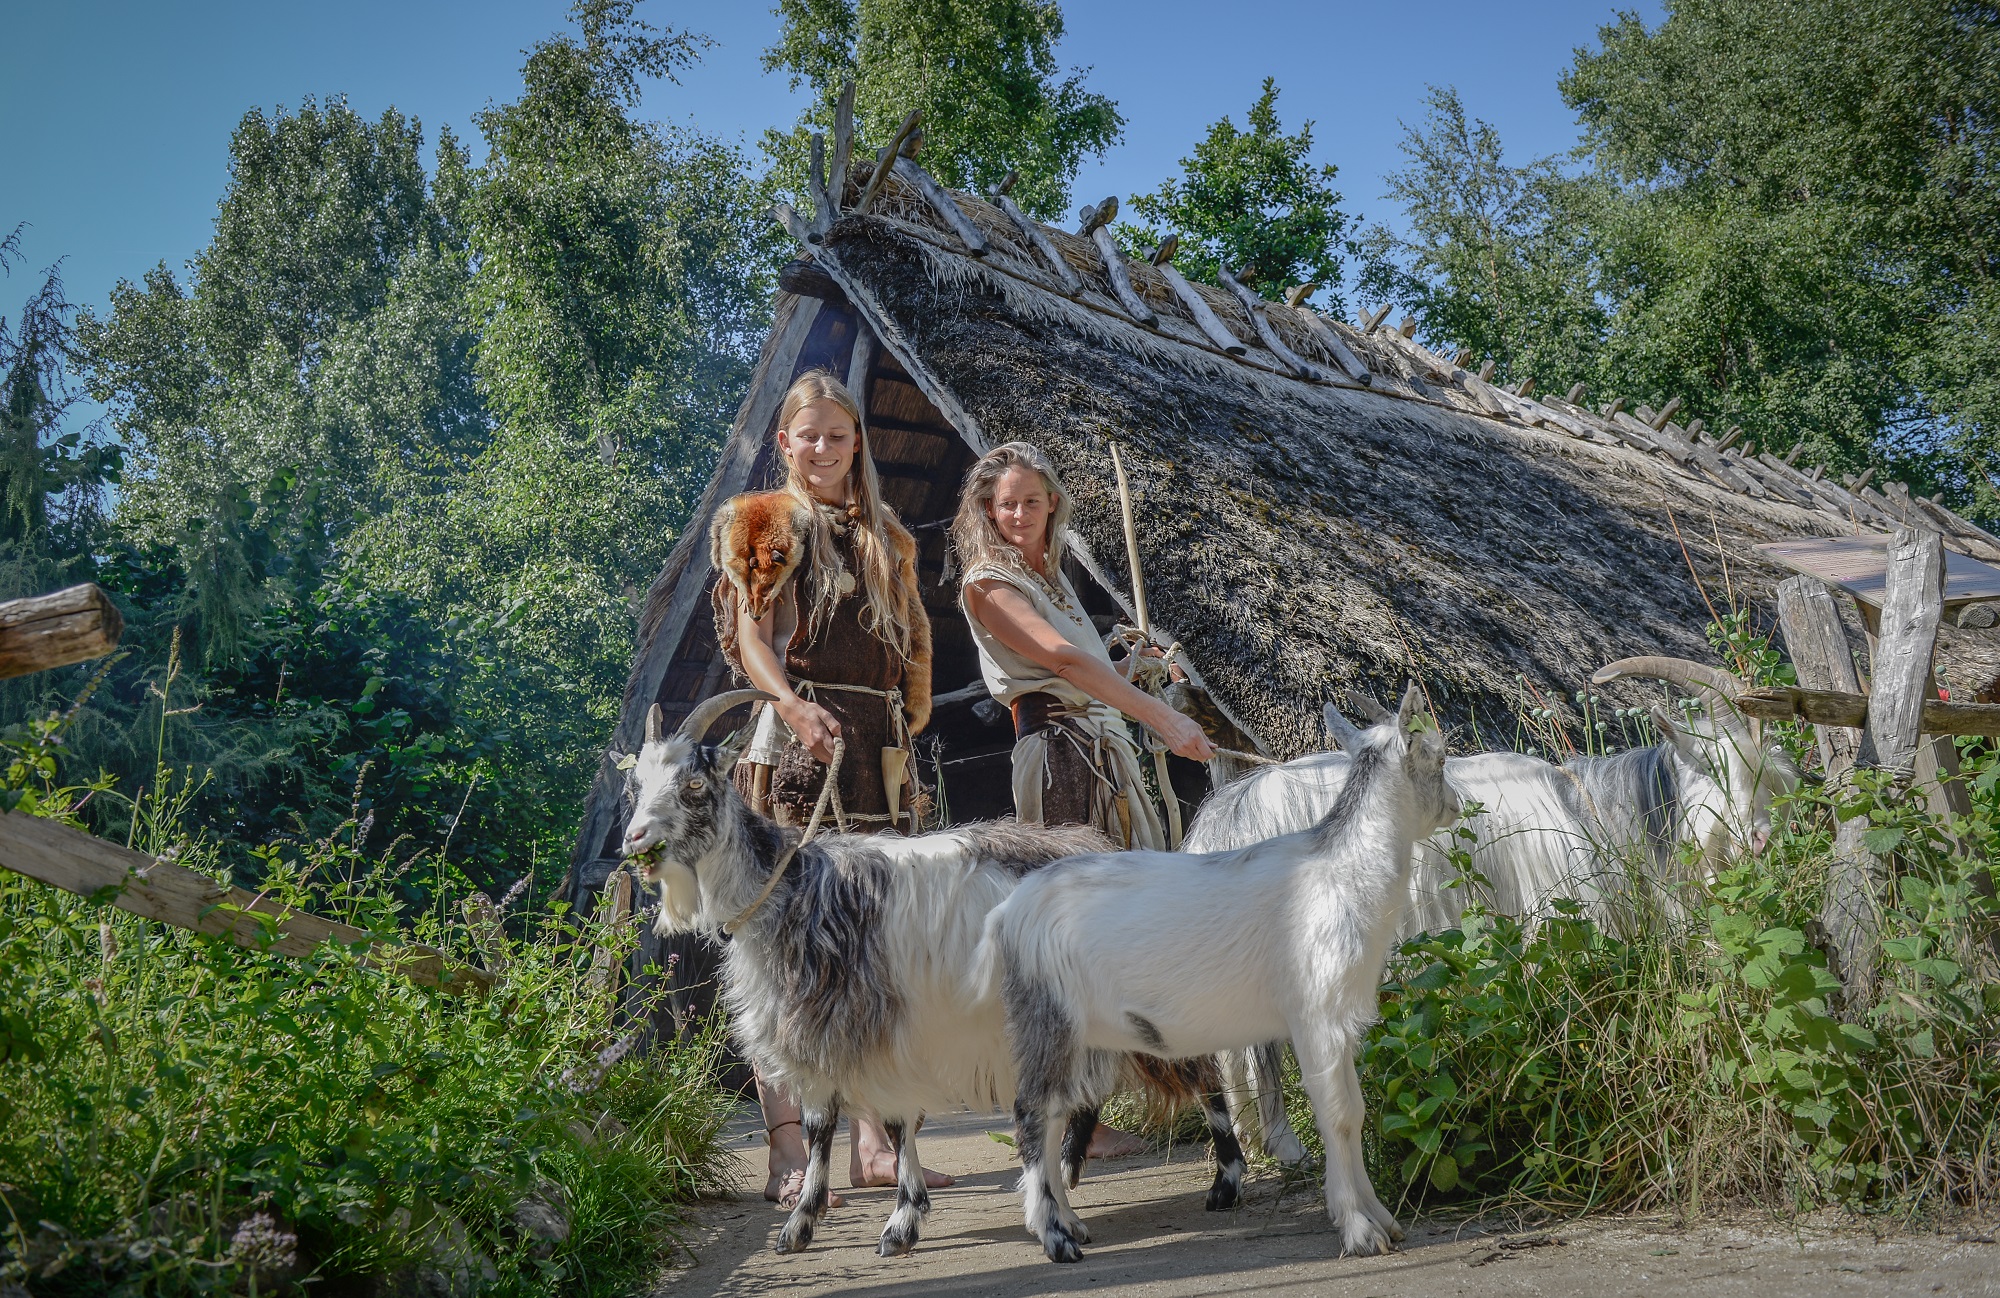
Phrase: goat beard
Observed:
(680, 897)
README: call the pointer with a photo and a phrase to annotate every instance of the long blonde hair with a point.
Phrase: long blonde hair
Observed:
(887, 615)
(979, 543)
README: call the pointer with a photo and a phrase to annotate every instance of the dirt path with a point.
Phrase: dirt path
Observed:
(1154, 1240)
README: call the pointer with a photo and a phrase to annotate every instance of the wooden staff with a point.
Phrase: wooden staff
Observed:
(1167, 797)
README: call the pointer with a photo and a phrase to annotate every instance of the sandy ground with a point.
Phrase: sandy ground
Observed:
(1153, 1239)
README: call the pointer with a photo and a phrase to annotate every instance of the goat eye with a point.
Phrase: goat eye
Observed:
(696, 785)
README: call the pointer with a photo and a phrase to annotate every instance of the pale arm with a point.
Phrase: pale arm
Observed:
(815, 727)
(1013, 621)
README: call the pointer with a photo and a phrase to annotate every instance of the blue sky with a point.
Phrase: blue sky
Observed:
(115, 115)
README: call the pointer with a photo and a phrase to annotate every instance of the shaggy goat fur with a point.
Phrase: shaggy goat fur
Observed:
(848, 987)
(1185, 955)
(1602, 831)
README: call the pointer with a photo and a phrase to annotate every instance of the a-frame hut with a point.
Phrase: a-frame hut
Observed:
(1323, 505)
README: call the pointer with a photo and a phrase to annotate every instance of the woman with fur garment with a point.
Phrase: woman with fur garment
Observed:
(817, 605)
(1074, 760)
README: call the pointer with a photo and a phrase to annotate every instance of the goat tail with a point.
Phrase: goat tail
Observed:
(1171, 1085)
(982, 978)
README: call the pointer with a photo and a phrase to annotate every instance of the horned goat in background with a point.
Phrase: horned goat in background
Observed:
(1182, 955)
(1581, 830)
(847, 983)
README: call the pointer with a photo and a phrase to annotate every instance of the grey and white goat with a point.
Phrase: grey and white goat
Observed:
(849, 985)
(1182, 955)
(1580, 830)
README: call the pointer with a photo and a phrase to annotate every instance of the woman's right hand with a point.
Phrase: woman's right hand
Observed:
(814, 726)
(1184, 737)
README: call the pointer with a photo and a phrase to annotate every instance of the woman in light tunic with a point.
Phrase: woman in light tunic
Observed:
(1074, 760)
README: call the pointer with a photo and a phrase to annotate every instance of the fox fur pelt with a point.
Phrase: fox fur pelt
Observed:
(759, 542)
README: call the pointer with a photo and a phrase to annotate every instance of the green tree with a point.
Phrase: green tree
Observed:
(982, 72)
(1250, 201)
(1494, 257)
(1806, 236)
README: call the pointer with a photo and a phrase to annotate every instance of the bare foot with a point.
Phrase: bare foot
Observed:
(784, 1189)
(1110, 1142)
(881, 1170)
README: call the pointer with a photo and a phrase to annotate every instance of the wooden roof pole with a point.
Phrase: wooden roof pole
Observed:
(1032, 231)
(1253, 306)
(1095, 219)
(1204, 315)
(944, 205)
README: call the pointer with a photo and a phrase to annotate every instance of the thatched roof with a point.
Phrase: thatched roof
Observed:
(1343, 509)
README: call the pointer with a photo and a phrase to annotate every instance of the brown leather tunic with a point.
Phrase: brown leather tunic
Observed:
(840, 651)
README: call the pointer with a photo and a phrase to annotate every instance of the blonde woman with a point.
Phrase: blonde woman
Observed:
(1074, 760)
(818, 606)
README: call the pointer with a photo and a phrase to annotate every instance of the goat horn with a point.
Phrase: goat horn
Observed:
(1678, 671)
(709, 711)
(655, 726)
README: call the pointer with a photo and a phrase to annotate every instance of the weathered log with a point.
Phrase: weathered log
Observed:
(1792, 456)
(823, 212)
(944, 205)
(843, 144)
(1408, 326)
(1343, 355)
(1371, 322)
(1095, 222)
(1165, 252)
(1818, 646)
(1486, 370)
(613, 908)
(1525, 387)
(802, 276)
(894, 149)
(173, 894)
(1575, 395)
(54, 630)
(1298, 293)
(1198, 307)
(1253, 306)
(1065, 273)
(1667, 412)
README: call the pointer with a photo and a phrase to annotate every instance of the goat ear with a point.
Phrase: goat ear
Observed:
(1665, 722)
(656, 724)
(1371, 711)
(1344, 733)
(1412, 700)
(621, 761)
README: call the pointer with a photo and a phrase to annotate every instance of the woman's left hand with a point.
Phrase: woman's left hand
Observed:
(1186, 738)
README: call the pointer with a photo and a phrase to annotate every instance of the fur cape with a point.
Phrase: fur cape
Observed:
(759, 542)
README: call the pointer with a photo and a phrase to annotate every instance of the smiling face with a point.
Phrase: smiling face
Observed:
(819, 443)
(1020, 509)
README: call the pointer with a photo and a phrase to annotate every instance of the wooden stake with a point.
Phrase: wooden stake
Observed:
(1204, 315)
(843, 144)
(1168, 800)
(894, 150)
(944, 205)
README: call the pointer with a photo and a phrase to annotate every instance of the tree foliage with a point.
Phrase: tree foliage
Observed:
(1498, 258)
(982, 72)
(1251, 201)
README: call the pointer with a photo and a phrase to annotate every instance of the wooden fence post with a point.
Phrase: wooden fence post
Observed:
(1900, 681)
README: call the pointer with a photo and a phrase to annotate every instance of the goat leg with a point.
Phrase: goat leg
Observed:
(1266, 1084)
(1076, 1146)
(819, 1124)
(913, 1198)
(1229, 1169)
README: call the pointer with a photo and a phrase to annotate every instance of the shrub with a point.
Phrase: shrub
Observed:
(178, 1114)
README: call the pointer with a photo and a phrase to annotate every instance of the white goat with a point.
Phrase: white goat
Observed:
(1183, 955)
(1579, 830)
(848, 984)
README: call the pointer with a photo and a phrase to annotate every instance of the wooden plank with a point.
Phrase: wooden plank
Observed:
(1849, 708)
(614, 906)
(173, 894)
(1859, 565)
(1253, 306)
(1204, 315)
(66, 626)
(1900, 673)
(1817, 643)
(1030, 230)
(945, 206)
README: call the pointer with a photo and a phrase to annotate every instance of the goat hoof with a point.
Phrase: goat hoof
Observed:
(1364, 1239)
(1221, 1197)
(896, 1245)
(1077, 1230)
(1060, 1245)
(796, 1237)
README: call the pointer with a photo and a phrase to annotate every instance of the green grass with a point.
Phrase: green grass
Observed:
(179, 1115)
